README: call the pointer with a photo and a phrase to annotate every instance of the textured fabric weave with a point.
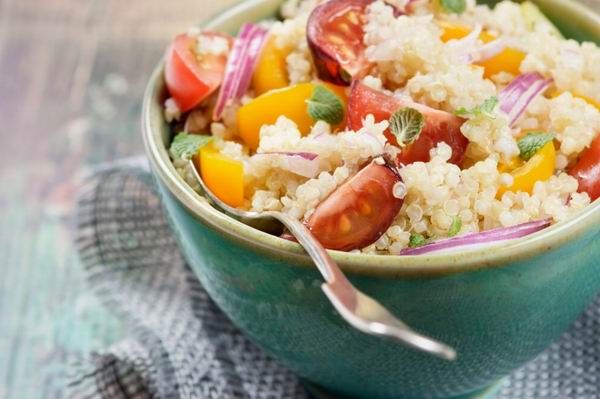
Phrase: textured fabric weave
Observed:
(182, 346)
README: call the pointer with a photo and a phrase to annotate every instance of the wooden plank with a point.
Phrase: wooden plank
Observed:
(73, 74)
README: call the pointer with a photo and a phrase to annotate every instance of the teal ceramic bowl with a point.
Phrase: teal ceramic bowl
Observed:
(498, 307)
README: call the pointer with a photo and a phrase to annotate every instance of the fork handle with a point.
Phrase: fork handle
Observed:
(343, 294)
(329, 269)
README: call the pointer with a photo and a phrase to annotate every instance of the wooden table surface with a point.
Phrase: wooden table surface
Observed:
(72, 73)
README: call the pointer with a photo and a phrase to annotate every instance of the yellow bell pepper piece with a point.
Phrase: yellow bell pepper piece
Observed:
(540, 167)
(507, 167)
(452, 31)
(456, 32)
(271, 69)
(509, 60)
(222, 175)
(289, 102)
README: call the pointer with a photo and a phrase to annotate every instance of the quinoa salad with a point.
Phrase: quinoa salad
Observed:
(392, 127)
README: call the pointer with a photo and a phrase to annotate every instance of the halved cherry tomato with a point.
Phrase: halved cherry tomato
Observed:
(358, 212)
(539, 167)
(587, 170)
(335, 37)
(191, 79)
(439, 127)
(290, 102)
(223, 176)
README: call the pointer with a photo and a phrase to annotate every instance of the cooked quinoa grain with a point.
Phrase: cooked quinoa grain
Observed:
(448, 190)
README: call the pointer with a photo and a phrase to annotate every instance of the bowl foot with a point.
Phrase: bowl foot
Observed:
(489, 392)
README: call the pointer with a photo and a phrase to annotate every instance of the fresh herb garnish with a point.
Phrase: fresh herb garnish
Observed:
(486, 109)
(416, 240)
(325, 105)
(454, 6)
(185, 145)
(455, 227)
(406, 124)
(532, 143)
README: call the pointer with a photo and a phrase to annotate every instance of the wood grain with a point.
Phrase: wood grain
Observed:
(71, 81)
(73, 73)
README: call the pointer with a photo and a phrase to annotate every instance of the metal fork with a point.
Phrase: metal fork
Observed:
(359, 310)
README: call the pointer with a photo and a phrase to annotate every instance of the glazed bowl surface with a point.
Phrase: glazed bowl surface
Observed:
(498, 307)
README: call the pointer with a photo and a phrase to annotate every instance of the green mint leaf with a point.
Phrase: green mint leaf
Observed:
(484, 110)
(325, 105)
(455, 227)
(454, 6)
(532, 143)
(407, 124)
(488, 106)
(416, 240)
(185, 145)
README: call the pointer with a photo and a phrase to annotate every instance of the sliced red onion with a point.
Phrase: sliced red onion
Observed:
(311, 156)
(468, 52)
(301, 163)
(489, 50)
(573, 59)
(380, 146)
(517, 96)
(403, 10)
(240, 66)
(483, 239)
(465, 46)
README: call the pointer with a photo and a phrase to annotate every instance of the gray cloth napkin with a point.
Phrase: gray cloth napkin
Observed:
(182, 346)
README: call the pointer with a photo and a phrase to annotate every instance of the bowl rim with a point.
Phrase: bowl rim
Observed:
(430, 265)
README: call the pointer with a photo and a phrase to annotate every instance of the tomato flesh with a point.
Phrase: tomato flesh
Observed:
(587, 170)
(358, 212)
(439, 126)
(335, 37)
(190, 79)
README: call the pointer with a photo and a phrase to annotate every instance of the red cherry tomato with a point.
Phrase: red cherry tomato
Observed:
(335, 37)
(358, 212)
(587, 170)
(191, 79)
(439, 125)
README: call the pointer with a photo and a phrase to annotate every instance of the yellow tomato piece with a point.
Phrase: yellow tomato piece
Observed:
(289, 102)
(222, 175)
(540, 167)
(271, 69)
(509, 60)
